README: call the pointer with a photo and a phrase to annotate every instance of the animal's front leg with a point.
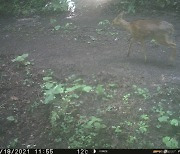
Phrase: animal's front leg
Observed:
(144, 50)
(130, 44)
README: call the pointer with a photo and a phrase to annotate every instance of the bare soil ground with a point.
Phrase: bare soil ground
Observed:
(80, 51)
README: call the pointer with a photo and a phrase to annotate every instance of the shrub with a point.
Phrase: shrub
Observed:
(23, 7)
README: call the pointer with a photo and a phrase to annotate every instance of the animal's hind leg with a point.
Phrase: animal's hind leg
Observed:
(173, 53)
(170, 43)
(129, 48)
(165, 40)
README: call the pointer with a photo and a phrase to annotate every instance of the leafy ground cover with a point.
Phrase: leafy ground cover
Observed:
(67, 83)
(39, 111)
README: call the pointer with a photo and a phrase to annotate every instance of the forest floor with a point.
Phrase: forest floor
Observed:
(87, 47)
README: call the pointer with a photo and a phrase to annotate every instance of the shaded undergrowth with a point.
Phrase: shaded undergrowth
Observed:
(84, 112)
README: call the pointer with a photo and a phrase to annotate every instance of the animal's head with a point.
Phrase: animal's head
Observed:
(119, 19)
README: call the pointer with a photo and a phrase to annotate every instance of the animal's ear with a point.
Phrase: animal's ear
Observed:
(121, 14)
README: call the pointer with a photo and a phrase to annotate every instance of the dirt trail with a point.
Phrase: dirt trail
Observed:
(84, 51)
(96, 53)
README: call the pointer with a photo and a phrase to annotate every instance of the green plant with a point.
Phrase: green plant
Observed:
(58, 140)
(117, 129)
(128, 123)
(87, 132)
(99, 31)
(53, 118)
(34, 106)
(69, 25)
(66, 28)
(144, 117)
(132, 6)
(104, 28)
(158, 126)
(66, 101)
(93, 38)
(144, 92)
(51, 91)
(126, 98)
(57, 27)
(165, 3)
(53, 21)
(112, 85)
(22, 60)
(13, 143)
(12, 119)
(109, 108)
(142, 127)
(100, 90)
(68, 92)
(113, 33)
(18, 7)
(170, 142)
(95, 123)
(56, 6)
(131, 139)
(174, 122)
(79, 87)
(28, 82)
(163, 118)
(104, 23)
(159, 109)
(48, 74)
